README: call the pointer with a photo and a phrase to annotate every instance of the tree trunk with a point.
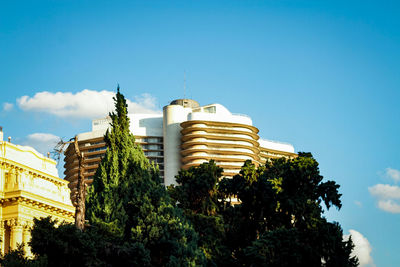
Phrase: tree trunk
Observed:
(81, 190)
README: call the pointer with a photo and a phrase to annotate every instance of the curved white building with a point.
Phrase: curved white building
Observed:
(228, 144)
(184, 135)
(213, 132)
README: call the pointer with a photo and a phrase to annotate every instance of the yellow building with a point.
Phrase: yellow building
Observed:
(29, 188)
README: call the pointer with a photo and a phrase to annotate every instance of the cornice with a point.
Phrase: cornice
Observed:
(219, 123)
(187, 156)
(9, 164)
(218, 131)
(186, 138)
(22, 149)
(19, 196)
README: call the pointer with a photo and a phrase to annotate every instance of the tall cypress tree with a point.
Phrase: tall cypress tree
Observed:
(127, 200)
(112, 186)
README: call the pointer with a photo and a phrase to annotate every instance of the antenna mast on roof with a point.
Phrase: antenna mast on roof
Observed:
(184, 84)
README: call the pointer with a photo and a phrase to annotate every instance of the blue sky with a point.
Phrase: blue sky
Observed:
(321, 75)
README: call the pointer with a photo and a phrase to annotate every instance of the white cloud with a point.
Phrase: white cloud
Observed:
(84, 104)
(7, 106)
(146, 100)
(42, 142)
(393, 174)
(386, 196)
(385, 191)
(358, 203)
(389, 206)
(362, 248)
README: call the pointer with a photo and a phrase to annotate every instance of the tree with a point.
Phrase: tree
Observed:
(80, 194)
(197, 194)
(127, 200)
(197, 188)
(63, 244)
(81, 189)
(16, 258)
(279, 219)
(123, 164)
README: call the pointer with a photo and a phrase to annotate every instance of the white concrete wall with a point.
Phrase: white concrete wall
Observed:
(140, 125)
(91, 135)
(174, 115)
(101, 124)
(222, 114)
(276, 145)
(146, 124)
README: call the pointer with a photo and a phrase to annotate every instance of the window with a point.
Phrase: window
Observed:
(94, 157)
(97, 149)
(153, 153)
(152, 140)
(211, 109)
(152, 147)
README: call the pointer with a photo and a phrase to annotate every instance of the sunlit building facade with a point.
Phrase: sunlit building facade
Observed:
(185, 134)
(29, 188)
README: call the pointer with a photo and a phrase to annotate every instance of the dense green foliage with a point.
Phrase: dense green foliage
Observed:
(65, 245)
(198, 195)
(277, 221)
(16, 258)
(132, 219)
(123, 169)
(128, 201)
(269, 215)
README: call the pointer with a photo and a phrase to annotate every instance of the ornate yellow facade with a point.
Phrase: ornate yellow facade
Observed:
(29, 188)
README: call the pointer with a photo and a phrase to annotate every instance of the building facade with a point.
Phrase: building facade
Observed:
(147, 131)
(29, 187)
(185, 134)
